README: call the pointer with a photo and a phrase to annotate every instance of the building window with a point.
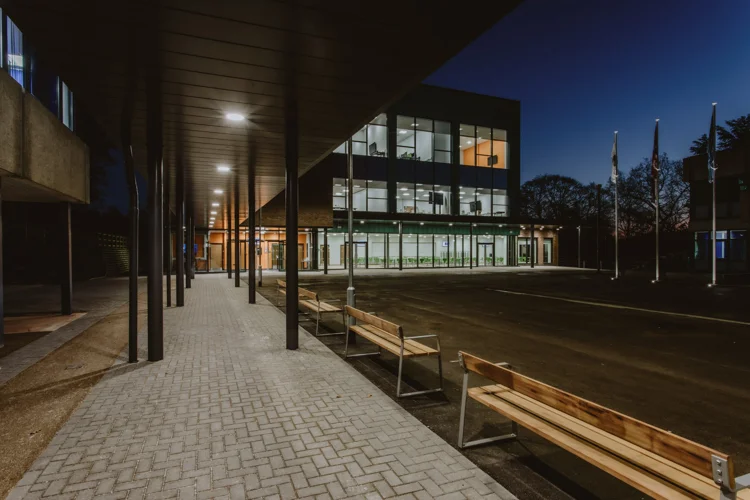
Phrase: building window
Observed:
(547, 250)
(440, 197)
(721, 245)
(483, 147)
(442, 153)
(737, 246)
(499, 202)
(339, 194)
(66, 111)
(405, 192)
(370, 140)
(14, 51)
(377, 196)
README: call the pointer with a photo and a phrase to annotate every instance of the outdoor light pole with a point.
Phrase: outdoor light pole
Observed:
(712, 180)
(615, 180)
(350, 293)
(598, 216)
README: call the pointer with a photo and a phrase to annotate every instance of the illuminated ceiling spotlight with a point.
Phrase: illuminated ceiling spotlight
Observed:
(215, 204)
(235, 117)
(223, 168)
(213, 212)
(218, 191)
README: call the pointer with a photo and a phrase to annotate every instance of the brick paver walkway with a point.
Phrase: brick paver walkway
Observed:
(231, 414)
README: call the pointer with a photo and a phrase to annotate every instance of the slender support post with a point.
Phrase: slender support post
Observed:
(713, 229)
(598, 218)
(229, 235)
(471, 246)
(180, 235)
(156, 226)
(325, 250)
(291, 147)
(2, 285)
(237, 262)
(656, 189)
(251, 248)
(617, 227)
(66, 263)
(168, 245)
(533, 251)
(400, 246)
(579, 246)
(127, 150)
(188, 249)
(260, 248)
(351, 299)
(191, 244)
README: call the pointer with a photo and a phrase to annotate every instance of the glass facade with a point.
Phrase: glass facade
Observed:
(425, 168)
(14, 54)
(731, 250)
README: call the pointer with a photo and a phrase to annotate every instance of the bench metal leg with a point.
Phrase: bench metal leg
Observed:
(361, 355)
(327, 334)
(417, 393)
(462, 419)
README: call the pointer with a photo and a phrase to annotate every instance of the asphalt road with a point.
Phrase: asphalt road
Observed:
(577, 331)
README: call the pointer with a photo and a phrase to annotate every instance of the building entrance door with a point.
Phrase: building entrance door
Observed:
(216, 254)
(484, 254)
(360, 254)
(278, 256)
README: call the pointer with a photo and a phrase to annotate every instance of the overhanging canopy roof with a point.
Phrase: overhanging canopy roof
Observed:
(344, 61)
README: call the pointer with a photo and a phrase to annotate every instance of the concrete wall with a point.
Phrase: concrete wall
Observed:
(40, 158)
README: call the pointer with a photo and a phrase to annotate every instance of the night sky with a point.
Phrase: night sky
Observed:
(585, 68)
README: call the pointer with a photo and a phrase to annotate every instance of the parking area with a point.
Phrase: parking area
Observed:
(673, 354)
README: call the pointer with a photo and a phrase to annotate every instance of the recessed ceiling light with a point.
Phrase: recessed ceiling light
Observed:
(420, 190)
(421, 223)
(403, 131)
(468, 142)
(218, 191)
(450, 224)
(213, 213)
(235, 117)
(404, 189)
(406, 194)
(223, 168)
(361, 222)
(395, 222)
(214, 204)
(337, 185)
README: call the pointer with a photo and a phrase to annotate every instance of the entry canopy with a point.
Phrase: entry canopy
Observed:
(228, 69)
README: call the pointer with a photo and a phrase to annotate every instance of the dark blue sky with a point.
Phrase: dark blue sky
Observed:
(585, 68)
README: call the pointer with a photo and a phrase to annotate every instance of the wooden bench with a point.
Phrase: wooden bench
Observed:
(390, 336)
(656, 462)
(311, 301)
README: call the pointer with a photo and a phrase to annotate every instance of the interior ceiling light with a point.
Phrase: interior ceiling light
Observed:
(403, 131)
(214, 204)
(213, 212)
(235, 117)
(218, 191)
(223, 168)
(468, 142)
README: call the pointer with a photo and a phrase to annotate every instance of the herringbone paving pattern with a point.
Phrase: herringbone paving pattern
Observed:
(230, 413)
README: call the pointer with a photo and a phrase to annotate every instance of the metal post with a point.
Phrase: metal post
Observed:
(291, 149)
(260, 247)
(2, 285)
(351, 298)
(713, 229)
(237, 262)
(155, 271)
(325, 250)
(656, 199)
(400, 246)
(251, 224)
(533, 250)
(180, 235)
(228, 202)
(191, 248)
(598, 217)
(579, 246)
(134, 213)
(617, 226)
(168, 245)
(471, 246)
(188, 248)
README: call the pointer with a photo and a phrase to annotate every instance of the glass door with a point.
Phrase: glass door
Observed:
(278, 256)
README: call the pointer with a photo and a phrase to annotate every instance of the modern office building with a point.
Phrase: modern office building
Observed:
(436, 184)
(732, 210)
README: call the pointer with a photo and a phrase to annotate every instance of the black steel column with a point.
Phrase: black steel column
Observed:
(325, 250)
(191, 243)
(2, 285)
(168, 245)
(228, 203)
(471, 246)
(237, 262)
(401, 246)
(180, 234)
(251, 251)
(127, 153)
(291, 150)
(533, 251)
(66, 264)
(188, 248)
(156, 223)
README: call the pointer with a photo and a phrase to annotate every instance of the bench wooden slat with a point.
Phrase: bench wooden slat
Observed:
(316, 306)
(672, 472)
(389, 327)
(392, 343)
(648, 483)
(677, 449)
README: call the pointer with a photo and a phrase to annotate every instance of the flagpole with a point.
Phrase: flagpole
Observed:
(617, 225)
(713, 208)
(655, 162)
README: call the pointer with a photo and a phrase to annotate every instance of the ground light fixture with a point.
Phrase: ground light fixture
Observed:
(235, 117)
